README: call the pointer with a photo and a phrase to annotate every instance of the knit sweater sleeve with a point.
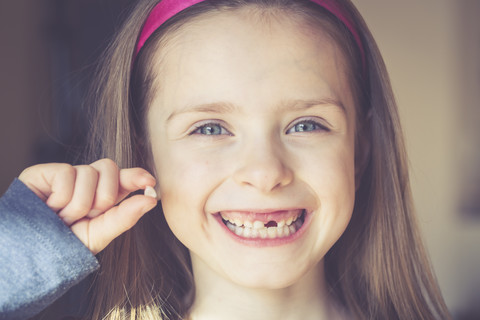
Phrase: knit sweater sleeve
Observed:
(40, 258)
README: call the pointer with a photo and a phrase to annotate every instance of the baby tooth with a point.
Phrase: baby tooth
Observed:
(292, 229)
(254, 233)
(280, 223)
(247, 232)
(248, 224)
(150, 192)
(238, 231)
(272, 232)
(280, 232)
(286, 231)
(289, 221)
(231, 227)
(258, 224)
(238, 222)
(263, 232)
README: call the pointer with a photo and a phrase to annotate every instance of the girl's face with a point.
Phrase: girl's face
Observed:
(252, 131)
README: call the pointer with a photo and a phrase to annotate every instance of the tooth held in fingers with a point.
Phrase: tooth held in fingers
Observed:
(150, 192)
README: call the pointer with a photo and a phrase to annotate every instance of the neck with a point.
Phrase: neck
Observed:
(220, 298)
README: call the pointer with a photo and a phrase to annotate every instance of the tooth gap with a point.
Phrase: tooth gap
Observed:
(271, 224)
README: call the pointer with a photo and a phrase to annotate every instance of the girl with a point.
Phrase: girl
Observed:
(274, 138)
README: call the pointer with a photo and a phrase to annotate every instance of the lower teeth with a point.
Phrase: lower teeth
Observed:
(264, 233)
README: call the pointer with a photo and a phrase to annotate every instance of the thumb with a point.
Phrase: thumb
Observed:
(98, 232)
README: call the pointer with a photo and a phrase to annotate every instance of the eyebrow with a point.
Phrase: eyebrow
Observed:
(297, 105)
(222, 107)
(214, 107)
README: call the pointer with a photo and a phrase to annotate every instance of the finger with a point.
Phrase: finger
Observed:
(134, 179)
(62, 184)
(107, 186)
(83, 195)
(98, 232)
(51, 182)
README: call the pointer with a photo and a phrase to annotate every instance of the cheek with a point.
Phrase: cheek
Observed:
(181, 174)
(330, 169)
(332, 179)
(185, 182)
(341, 179)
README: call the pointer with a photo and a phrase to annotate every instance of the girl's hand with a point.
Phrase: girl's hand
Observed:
(86, 197)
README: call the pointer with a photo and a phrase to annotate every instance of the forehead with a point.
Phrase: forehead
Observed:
(237, 55)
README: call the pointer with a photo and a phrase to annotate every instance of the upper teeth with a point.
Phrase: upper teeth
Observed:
(259, 224)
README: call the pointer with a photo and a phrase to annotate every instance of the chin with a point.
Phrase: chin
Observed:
(271, 277)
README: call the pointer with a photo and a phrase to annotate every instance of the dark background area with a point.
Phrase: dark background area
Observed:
(48, 52)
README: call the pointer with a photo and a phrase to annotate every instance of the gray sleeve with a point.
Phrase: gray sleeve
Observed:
(40, 258)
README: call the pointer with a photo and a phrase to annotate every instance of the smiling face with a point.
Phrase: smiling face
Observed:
(252, 128)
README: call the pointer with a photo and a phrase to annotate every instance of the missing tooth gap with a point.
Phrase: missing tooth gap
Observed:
(271, 224)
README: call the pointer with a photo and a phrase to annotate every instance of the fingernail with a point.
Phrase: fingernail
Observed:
(150, 192)
(149, 176)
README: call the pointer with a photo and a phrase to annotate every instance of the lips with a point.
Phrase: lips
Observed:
(268, 225)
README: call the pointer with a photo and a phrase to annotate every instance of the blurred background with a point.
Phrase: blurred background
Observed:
(432, 51)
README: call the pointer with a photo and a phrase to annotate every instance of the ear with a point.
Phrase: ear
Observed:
(142, 146)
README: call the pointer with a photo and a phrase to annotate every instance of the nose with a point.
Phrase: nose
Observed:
(263, 166)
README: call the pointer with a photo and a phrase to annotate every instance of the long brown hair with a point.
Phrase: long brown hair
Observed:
(377, 270)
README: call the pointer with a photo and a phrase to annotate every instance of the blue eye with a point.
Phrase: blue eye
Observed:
(306, 126)
(210, 129)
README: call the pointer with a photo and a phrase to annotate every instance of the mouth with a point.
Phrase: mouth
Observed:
(276, 225)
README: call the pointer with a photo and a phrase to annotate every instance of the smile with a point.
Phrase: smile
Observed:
(275, 225)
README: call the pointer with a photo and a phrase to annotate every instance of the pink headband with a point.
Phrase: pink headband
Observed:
(166, 9)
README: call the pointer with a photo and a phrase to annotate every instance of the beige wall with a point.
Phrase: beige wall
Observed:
(432, 51)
